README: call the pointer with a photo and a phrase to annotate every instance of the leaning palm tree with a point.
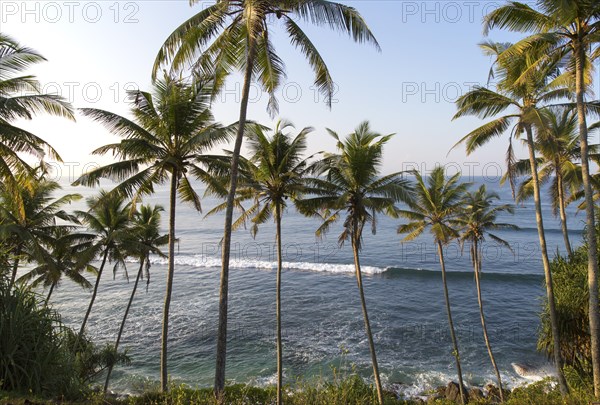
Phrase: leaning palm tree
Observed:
(273, 174)
(236, 35)
(436, 205)
(20, 98)
(571, 26)
(143, 240)
(61, 259)
(478, 215)
(353, 185)
(172, 128)
(108, 219)
(28, 215)
(522, 103)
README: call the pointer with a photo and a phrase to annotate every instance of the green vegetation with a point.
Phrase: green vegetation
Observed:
(348, 391)
(479, 216)
(234, 36)
(539, 97)
(436, 206)
(273, 174)
(37, 355)
(353, 189)
(570, 277)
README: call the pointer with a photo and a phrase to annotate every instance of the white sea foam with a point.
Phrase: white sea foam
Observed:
(204, 261)
(426, 382)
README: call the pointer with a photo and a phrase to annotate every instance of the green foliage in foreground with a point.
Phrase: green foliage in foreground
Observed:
(571, 295)
(37, 356)
(33, 357)
(351, 391)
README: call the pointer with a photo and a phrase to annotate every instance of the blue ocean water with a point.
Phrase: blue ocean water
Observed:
(322, 319)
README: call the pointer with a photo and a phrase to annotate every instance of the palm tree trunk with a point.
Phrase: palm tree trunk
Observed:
(89, 310)
(171, 269)
(137, 280)
(226, 245)
(562, 384)
(278, 304)
(456, 353)
(15, 266)
(477, 268)
(49, 294)
(594, 310)
(366, 318)
(563, 214)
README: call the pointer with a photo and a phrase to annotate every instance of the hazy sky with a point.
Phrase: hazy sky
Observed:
(97, 49)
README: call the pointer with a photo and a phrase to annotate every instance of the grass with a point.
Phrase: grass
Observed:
(350, 391)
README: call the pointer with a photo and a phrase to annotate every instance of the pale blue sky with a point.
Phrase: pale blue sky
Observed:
(429, 57)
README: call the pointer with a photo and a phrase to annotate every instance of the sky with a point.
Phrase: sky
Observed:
(96, 50)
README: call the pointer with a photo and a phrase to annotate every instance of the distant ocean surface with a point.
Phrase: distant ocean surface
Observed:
(322, 320)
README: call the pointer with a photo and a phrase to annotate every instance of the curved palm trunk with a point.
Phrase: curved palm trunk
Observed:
(226, 245)
(49, 294)
(451, 323)
(89, 310)
(169, 290)
(278, 305)
(366, 318)
(477, 268)
(562, 212)
(15, 268)
(594, 310)
(562, 384)
(137, 280)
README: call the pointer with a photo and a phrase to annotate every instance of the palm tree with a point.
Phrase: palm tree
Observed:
(28, 215)
(479, 215)
(61, 258)
(172, 128)
(20, 98)
(108, 219)
(353, 185)
(571, 26)
(526, 99)
(235, 35)
(436, 206)
(273, 174)
(558, 146)
(144, 239)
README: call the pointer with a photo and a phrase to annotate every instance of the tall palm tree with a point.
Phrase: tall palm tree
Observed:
(524, 101)
(235, 35)
(436, 205)
(108, 219)
(144, 239)
(572, 26)
(20, 98)
(478, 215)
(171, 130)
(273, 174)
(28, 215)
(353, 186)
(61, 259)
(559, 153)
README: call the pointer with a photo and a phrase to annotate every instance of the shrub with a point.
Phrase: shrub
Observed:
(39, 355)
(571, 295)
(33, 358)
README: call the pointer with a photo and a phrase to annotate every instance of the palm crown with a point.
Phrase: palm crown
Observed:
(20, 98)
(479, 215)
(237, 26)
(352, 184)
(171, 129)
(274, 173)
(435, 205)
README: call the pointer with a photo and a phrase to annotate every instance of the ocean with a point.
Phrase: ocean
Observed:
(321, 314)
